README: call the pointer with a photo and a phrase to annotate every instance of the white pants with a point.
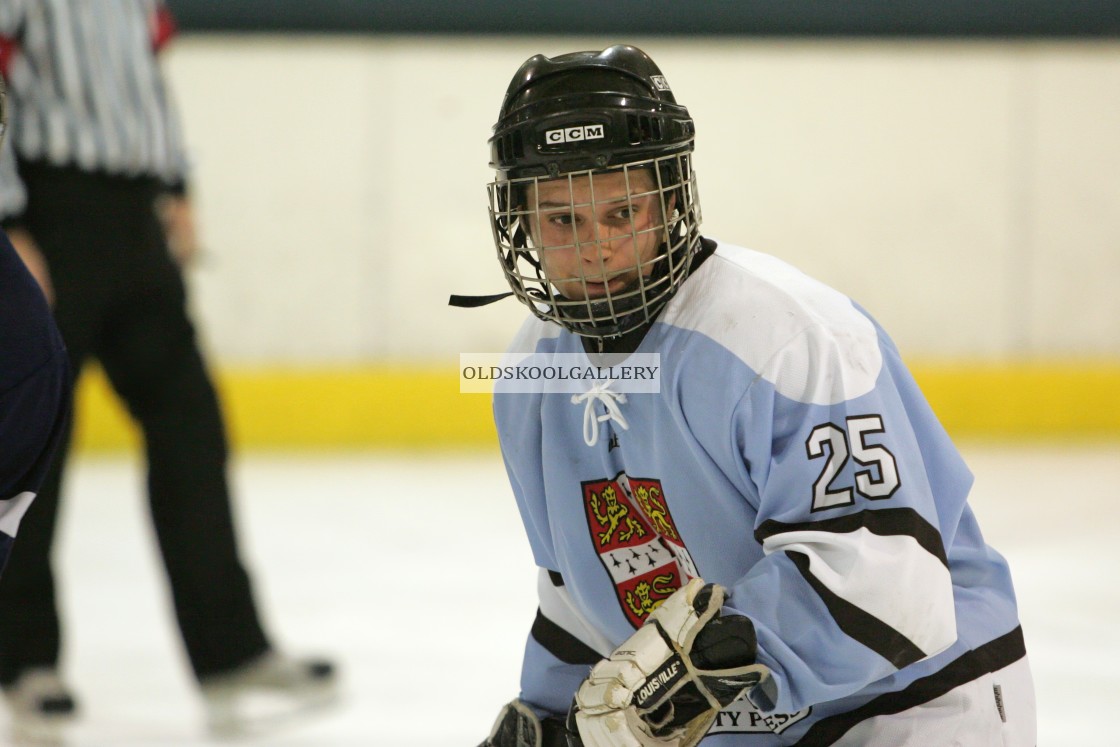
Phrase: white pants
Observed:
(996, 710)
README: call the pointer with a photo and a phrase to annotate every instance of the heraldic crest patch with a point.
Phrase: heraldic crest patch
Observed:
(637, 541)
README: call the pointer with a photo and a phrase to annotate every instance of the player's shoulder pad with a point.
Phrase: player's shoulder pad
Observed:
(807, 339)
(529, 336)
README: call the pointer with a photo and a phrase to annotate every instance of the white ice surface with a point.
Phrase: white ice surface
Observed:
(412, 570)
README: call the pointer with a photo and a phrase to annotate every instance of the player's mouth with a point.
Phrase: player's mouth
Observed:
(595, 290)
(600, 288)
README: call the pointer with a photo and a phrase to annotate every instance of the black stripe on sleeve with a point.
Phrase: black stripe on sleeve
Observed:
(859, 624)
(562, 644)
(884, 522)
(991, 657)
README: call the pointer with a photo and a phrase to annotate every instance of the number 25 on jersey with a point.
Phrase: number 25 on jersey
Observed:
(877, 481)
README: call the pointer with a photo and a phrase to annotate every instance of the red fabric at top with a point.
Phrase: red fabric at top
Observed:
(163, 27)
(9, 48)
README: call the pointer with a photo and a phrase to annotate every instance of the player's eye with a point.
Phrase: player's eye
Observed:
(625, 214)
(560, 219)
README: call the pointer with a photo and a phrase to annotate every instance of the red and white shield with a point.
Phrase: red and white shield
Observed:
(637, 541)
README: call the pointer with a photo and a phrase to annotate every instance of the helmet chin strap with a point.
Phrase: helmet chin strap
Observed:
(613, 321)
(603, 330)
(471, 302)
(612, 318)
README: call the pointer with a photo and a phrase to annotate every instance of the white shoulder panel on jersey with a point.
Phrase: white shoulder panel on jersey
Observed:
(531, 332)
(783, 324)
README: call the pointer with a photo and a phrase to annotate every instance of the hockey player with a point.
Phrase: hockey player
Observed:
(34, 385)
(776, 547)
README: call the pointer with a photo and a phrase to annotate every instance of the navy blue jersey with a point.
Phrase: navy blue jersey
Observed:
(788, 456)
(34, 391)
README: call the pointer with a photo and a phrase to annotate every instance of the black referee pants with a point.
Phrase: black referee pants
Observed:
(120, 299)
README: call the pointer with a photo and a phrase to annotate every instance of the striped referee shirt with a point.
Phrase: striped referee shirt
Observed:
(85, 90)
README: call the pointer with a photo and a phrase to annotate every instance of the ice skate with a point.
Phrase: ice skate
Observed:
(39, 705)
(267, 692)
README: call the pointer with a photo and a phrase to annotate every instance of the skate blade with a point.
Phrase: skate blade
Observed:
(258, 714)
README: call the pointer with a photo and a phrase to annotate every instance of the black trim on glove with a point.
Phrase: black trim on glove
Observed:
(555, 733)
(518, 726)
(725, 642)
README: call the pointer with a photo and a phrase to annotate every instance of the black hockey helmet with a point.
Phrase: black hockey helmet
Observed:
(578, 115)
(587, 110)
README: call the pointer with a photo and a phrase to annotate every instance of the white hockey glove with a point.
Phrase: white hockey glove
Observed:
(664, 686)
(518, 726)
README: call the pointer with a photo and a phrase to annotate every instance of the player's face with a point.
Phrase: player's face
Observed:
(595, 235)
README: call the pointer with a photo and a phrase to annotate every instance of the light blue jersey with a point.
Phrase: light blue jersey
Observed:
(790, 457)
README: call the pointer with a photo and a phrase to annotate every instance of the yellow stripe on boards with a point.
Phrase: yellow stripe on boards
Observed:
(392, 407)
(421, 407)
(1023, 400)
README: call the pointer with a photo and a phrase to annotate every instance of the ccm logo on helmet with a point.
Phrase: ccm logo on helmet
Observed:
(575, 134)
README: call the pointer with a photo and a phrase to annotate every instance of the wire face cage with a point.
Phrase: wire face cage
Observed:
(599, 251)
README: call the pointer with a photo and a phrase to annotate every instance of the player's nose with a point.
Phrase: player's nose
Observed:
(609, 238)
